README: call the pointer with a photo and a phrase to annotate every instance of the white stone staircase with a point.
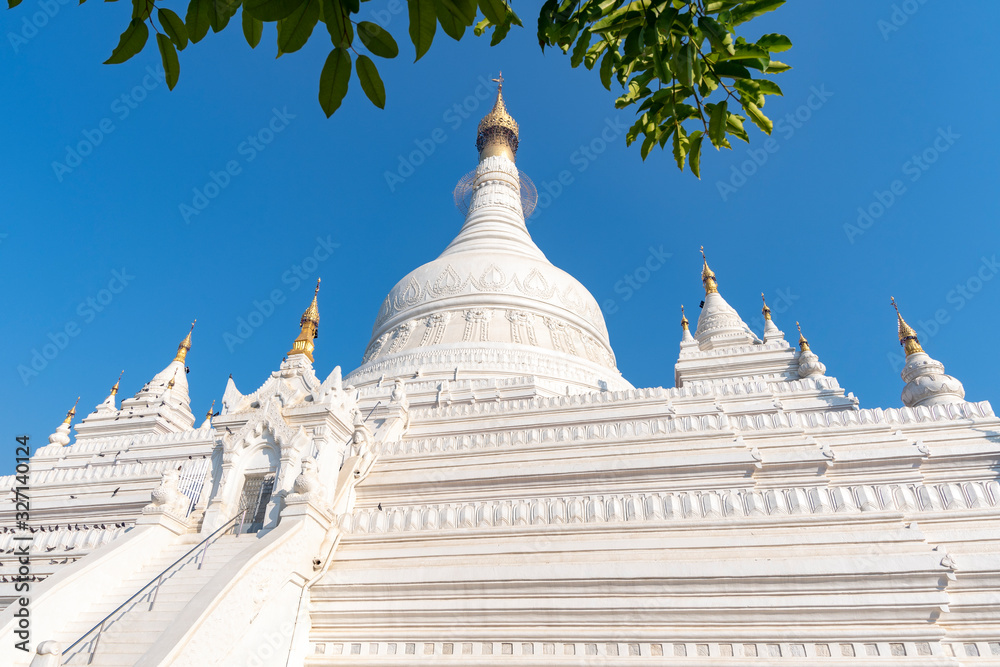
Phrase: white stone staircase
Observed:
(133, 630)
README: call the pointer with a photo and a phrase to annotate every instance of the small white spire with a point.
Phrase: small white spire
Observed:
(771, 330)
(926, 382)
(809, 363)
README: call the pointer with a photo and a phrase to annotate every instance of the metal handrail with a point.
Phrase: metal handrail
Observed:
(155, 581)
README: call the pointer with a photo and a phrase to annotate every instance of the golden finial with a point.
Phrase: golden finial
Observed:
(497, 133)
(907, 336)
(72, 412)
(185, 345)
(114, 389)
(684, 320)
(765, 309)
(309, 324)
(803, 343)
(708, 276)
(211, 412)
(170, 385)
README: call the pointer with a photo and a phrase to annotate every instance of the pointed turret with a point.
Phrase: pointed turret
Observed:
(719, 324)
(165, 397)
(208, 416)
(309, 324)
(708, 276)
(771, 330)
(686, 336)
(110, 403)
(185, 345)
(926, 382)
(498, 133)
(61, 436)
(809, 363)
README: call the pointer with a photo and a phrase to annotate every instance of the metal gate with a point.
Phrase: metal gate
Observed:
(255, 497)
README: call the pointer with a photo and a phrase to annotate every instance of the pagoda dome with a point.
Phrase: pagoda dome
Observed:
(491, 305)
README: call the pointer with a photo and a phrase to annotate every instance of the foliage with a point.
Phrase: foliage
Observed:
(669, 56)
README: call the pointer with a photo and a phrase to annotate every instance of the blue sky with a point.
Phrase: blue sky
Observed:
(894, 118)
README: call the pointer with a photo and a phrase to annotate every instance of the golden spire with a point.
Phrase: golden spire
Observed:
(765, 309)
(684, 320)
(170, 385)
(310, 329)
(211, 412)
(907, 336)
(185, 345)
(114, 389)
(497, 133)
(72, 412)
(803, 343)
(708, 276)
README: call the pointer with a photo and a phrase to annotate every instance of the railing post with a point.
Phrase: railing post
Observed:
(156, 590)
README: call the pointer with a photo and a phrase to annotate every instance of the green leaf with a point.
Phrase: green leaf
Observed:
(171, 68)
(423, 23)
(377, 39)
(252, 30)
(11, 4)
(774, 42)
(768, 87)
(141, 9)
(580, 50)
(220, 11)
(371, 82)
(338, 23)
(451, 18)
(694, 152)
(717, 124)
(494, 10)
(467, 9)
(294, 30)
(750, 10)
(197, 19)
(271, 10)
(607, 66)
(333, 80)
(757, 116)
(734, 126)
(680, 146)
(647, 145)
(174, 27)
(499, 32)
(775, 67)
(131, 42)
(719, 37)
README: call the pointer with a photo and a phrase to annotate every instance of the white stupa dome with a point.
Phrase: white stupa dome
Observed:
(492, 305)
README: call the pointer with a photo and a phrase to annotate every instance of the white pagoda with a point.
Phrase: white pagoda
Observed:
(487, 489)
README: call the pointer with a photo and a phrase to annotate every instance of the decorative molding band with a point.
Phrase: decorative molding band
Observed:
(651, 427)
(614, 648)
(734, 504)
